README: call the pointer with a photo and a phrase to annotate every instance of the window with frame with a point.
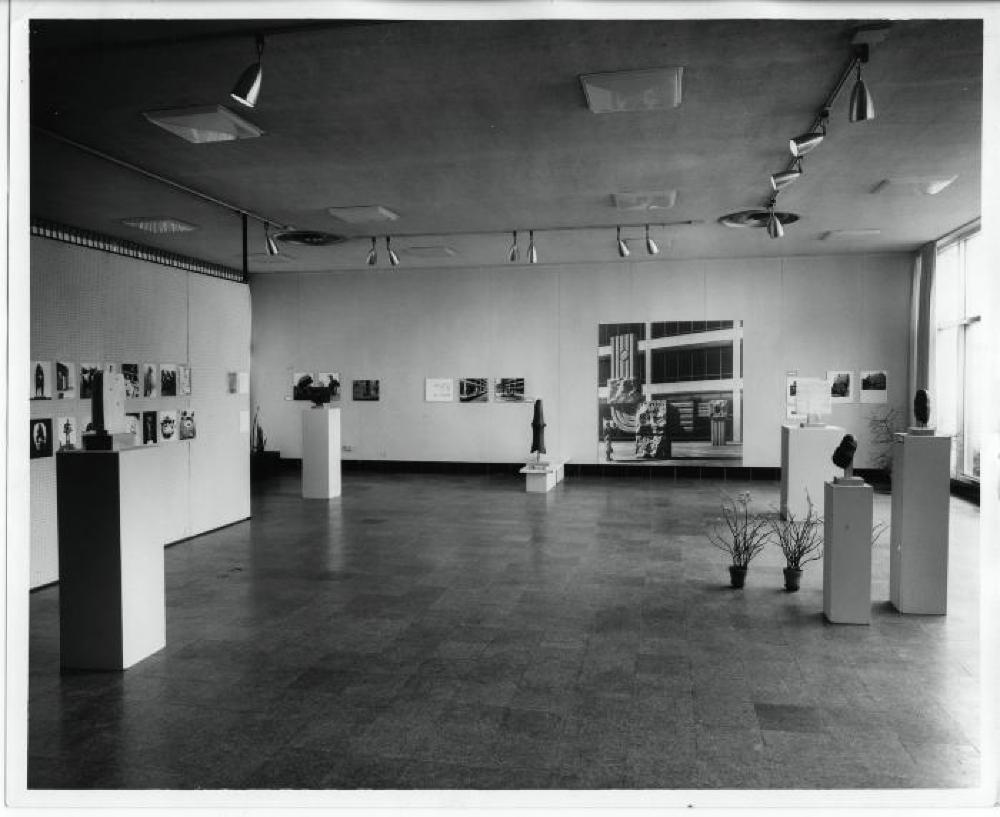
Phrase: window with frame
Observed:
(960, 349)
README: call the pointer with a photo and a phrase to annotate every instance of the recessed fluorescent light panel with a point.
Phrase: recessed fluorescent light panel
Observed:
(204, 124)
(865, 232)
(645, 200)
(159, 226)
(910, 185)
(364, 214)
(429, 252)
(650, 89)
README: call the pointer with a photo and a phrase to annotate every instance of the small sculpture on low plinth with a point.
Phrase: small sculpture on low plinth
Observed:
(843, 457)
(538, 432)
(922, 413)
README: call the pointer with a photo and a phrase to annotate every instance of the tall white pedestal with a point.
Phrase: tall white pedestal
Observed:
(847, 552)
(806, 465)
(112, 611)
(320, 453)
(918, 543)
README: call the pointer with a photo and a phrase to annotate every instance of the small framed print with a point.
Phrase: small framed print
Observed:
(65, 380)
(168, 380)
(41, 380)
(41, 437)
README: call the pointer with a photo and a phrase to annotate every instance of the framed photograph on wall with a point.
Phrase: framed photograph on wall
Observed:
(68, 434)
(131, 374)
(874, 386)
(183, 379)
(167, 423)
(149, 428)
(65, 380)
(133, 422)
(301, 383)
(439, 390)
(474, 390)
(841, 385)
(41, 380)
(150, 380)
(168, 379)
(365, 390)
(509, 389)
(187, 429)
(87, 372)
(330, 380)
(41, 437)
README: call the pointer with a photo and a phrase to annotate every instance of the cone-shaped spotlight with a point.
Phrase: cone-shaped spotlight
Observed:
(862, 107)
(779, 181)
(651, 247)
(372, 259)
(775, 229)
(622, 246)
(513, 253)
(272, 247)
(393, 258)
(532, 249)
(804, 142)
(247, 87)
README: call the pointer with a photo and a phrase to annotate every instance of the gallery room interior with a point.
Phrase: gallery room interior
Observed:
(569, 406)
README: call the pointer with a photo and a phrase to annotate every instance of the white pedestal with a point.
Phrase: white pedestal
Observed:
(847, 552)
(539, 480)
(320, 453)
(112, 611)
(918, 543)
(806, 466)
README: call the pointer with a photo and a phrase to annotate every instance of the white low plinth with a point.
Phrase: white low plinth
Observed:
(320, 453)
(112, 611)
(538, 479)
(918, 543)
(806, 465)
(847, 551)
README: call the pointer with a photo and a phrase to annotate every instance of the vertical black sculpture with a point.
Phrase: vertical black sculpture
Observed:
(98, 439)
(922, 407)
(843, 456)
(538, 432)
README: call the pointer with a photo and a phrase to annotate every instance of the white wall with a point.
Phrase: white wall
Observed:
(92, 306)
(401, 326)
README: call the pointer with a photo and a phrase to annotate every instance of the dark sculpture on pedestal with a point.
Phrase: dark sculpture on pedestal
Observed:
(843, 456)
(922, 408)
(538, 432)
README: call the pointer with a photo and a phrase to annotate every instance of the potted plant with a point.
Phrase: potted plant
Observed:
(742, 535)
(800, 540)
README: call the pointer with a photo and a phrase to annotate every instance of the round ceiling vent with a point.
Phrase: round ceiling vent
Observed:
(309, 238)
(756, 218)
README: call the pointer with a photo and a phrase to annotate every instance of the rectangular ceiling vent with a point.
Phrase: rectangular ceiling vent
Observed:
(429, 252)
(649, 89)
(203, 124)
(864, 232)
(158, 226)
(363, 214)
(645, 200)
(914, 185)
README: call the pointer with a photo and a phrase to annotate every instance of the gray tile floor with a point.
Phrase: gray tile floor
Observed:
(427, 631)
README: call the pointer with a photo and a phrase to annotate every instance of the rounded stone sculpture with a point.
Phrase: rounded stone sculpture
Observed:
(843, 456)
(922, 407)
(538, 430)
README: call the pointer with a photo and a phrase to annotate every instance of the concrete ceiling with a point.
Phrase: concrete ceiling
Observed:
(469, 130)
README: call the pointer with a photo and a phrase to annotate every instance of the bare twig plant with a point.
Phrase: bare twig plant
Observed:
(800, 540)
(743, 534)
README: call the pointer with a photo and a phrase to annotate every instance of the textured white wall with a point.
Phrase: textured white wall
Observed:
(91, 306)
(400, 326)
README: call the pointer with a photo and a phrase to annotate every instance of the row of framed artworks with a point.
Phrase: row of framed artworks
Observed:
(474, 389)
(302, 382)
(146, 427)
(64, 380)
(813, 395)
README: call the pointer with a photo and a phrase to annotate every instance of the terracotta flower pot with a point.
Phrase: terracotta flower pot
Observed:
(792, 577)
(737, 575)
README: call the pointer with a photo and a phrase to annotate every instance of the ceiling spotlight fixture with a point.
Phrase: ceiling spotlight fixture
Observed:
(247, 87)
(513, 253)
(393, 258)
(774, 227)
(804, 142)
(779, 181)
(651, 247)
(272, 246)
(862, 107)
(532, 249)
(622, 246)
(372, 258)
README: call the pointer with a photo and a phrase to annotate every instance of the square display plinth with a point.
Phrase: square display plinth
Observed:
(806, 464)
(847, 552)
